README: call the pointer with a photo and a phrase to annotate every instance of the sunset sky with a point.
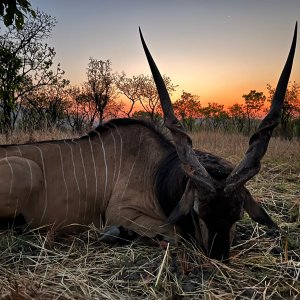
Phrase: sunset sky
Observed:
(218, 50)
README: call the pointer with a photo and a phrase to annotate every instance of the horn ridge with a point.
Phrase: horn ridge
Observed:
(259, 141)
(183, 142)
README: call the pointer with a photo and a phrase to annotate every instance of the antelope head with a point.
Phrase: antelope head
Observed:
(216, 204)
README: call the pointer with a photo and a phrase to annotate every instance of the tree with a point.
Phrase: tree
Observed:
(14, 11)
(215, 115)
(187, 107)
(10, 83)
(149, 96)
(75, 110)
(114, 109)
(130, 87)
(237, 115)
(45, 108)
(290, 110)
(98, 90)
(143, 115)
(254, 102)
(25, 65)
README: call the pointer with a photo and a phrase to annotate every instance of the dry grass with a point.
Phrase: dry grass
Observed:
(264, 264)
(31, 137)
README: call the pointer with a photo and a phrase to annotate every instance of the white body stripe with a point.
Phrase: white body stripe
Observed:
(121, 154)
(19, 150)
(64, 179)
(31, 180)
(12, 176)
(115, 158)
(95, 173)
(85, 178)
(105, 163)
(74, 172)
(45, 183)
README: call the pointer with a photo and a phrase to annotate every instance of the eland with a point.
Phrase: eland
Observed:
(128, 176)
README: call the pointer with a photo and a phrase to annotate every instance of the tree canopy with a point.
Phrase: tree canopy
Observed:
(26, 66)
(15, 11)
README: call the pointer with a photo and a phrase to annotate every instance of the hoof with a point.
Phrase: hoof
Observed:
(110, 234)
(117, 234)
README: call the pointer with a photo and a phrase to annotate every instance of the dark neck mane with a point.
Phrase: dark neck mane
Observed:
(170, 182)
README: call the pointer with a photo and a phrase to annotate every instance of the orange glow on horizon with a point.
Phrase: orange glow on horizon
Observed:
(223, 84)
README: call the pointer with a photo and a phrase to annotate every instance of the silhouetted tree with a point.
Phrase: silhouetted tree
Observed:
(215, 115)
(75, 112)
(254, 102)
(290, 109)
(45, 108)
(130, 87)
(98, 90)
(143, 115)
(25, 65)
(237, 116)
(187, 107)
(114, 109)
(14, 11)
(149, 96)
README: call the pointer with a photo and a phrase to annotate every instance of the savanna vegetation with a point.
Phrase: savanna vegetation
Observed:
(35, 95)
(37, 102)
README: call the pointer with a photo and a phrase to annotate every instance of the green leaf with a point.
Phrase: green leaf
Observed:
(8, 20)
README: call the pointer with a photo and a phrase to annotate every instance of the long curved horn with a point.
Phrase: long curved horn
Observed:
(183, 142)
(258, 143)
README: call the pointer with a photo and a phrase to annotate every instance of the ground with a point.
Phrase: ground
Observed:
(264, 264)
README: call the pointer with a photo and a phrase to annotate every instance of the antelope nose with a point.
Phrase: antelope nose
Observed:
(220, 251)
(221, 256)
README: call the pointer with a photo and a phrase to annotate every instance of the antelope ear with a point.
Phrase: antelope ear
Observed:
(257, 213)
(184, 206)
